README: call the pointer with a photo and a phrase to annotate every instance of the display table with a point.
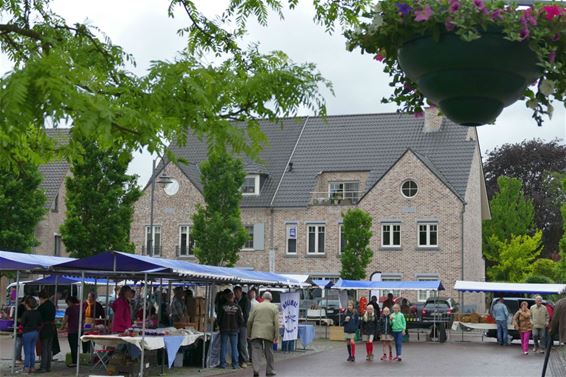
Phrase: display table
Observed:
(306, 334)
(468, 326)
(147, 342)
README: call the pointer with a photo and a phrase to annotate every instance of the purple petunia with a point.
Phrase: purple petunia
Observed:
(479, 4)
(496, 14)
(454, 6)
(448, 24)
(423, 14)
(524, 34)
(404, 9)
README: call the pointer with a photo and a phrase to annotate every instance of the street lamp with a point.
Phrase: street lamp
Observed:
(163, 181)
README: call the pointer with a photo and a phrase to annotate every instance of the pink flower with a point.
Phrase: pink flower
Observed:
(424, 14)
(379, 57)
(552, 11)
(552, 56)
(496, 14)
(448, 24)
(479, 4)
(454, 6)
(524, 34)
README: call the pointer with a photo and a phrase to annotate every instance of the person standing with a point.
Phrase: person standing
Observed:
(178, 307)
(369, 330)
(252, 294)
(230, 320)
(19, 341)
(31, 323)
(522, 323)
(93, 310)
(558, 324)
(263, 330)
(501, 315)
(389, 302)
(351, 325)
(48, 331)
(399, 328)
(122, 319)
(191, 305)
(540, 320)
(547, 336)
(386, 334)
(373, 302)
(71, 325)
(245, 306)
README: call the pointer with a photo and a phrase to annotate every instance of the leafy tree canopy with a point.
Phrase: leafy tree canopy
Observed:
(516, 258)
(532, 162)
(356, 254)
(22, 205)
(63, 74)
(100, 201)
(217, 230)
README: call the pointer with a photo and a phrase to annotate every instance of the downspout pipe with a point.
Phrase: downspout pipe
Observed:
(462, 251)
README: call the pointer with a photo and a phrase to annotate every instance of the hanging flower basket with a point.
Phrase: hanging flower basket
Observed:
(468, 58)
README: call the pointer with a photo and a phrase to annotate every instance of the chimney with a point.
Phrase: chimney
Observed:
(432, 119)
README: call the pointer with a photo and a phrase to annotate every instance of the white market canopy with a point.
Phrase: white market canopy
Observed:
(418, 285)
(482, 286)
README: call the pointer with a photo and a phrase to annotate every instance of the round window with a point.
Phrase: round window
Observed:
(409, 189)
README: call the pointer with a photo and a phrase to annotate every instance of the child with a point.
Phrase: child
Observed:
(31, 322)
(399, 326)
(369, 330)
(351, 325)
(385, 333)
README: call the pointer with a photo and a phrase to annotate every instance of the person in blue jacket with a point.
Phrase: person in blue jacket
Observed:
(351, 325)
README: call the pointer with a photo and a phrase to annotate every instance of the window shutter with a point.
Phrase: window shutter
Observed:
(258, 236)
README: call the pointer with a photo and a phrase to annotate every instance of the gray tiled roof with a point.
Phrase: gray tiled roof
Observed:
(368, 142)
(54, 172)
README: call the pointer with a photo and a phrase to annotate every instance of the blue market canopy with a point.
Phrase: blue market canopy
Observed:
(11, 261)
(418, 285)
(116, 261)
(482, 286)
(66, 280)
(324, 284)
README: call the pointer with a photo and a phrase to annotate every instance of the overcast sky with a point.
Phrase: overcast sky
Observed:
(143, 28)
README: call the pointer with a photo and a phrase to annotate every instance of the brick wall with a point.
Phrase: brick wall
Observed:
(48, 227)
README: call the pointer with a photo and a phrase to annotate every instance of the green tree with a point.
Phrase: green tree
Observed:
(64, 73)
(516, 257)
(22, 205)
(511, 215)
(356, 254)
(547, 268)
(100, 201)
(217, 228)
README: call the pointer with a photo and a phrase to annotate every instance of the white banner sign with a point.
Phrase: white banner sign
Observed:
(290, 309)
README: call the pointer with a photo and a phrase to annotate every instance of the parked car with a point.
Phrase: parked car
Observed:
(439, 309)
(333, 310)
(513, 304)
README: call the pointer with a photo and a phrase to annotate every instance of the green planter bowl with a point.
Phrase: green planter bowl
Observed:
(471, 82)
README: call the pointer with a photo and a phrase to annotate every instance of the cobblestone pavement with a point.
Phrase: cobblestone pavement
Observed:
(326, 358)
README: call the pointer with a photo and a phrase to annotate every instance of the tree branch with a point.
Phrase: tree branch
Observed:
(11, 28)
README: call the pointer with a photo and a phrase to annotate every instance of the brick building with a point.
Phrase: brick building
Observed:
(420, 179)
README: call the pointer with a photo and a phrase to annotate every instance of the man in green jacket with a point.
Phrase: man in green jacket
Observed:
(263, 330)
(540, 319)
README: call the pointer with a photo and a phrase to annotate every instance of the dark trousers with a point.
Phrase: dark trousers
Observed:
(262, 347)
(46, 353)
(73, 343)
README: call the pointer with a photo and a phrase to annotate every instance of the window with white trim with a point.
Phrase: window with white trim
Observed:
(291, 236)
(186, 242)
(422, 296)
(315, 242)
(396, 292)
(428, 234)
(390, 235)
(153, 241)
(344, 190)
(249, 244)
(342, 240)
(251, 185)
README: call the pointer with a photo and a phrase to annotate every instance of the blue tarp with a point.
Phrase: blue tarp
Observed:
(418, 285)
(11, 261)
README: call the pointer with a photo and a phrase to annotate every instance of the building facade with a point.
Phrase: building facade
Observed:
(420, 179)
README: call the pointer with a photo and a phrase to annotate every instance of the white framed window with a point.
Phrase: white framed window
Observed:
(422, 296)
(428, 234)
(249, 244)
(409, 188)
(251, 185)
(396, 292)
(344, 190)
(341, 239)
(186, 242)
(390, 235)
(291, 236)
(315, 239)
(153, 241)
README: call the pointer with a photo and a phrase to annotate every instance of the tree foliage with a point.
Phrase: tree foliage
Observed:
(532, 162)
(356, 254)
(217, 230)
(516, 258)
(100, 201)
(562, 263)
(63, 74)
(22, 205)
(511, 215)
(546, 267)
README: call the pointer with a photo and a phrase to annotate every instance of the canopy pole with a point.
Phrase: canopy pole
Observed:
(80, 323)
(326, 312)
(169, 303)
(15, 332)
(55, 301)
(204, 329)
(143, 324)
(107, 317)
(159, 301)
